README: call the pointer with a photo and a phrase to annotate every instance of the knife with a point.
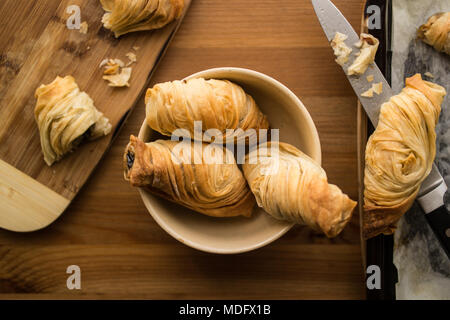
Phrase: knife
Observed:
(433, 188)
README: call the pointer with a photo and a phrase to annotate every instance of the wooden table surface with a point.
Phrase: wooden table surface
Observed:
(121, 250)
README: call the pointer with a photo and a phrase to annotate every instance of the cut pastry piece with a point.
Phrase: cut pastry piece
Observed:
(215, 186)
(124, 16)
(369, 45)
(291, 186)
(65, 116)
(399, 154)
(436, 32)
(341, 50)
(218, 104)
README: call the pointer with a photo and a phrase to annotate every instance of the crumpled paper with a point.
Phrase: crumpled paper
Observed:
(423, 267)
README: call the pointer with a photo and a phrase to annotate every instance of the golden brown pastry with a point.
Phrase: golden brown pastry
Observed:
(436, 32)
(65, 116)
(208, 182)
(218, 104)
(124, 16)
(368, 45)
(291, 186)
(400, 154)
(340, 49)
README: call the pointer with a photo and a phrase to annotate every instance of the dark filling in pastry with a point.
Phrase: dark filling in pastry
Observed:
(85, 136)
(130, 159)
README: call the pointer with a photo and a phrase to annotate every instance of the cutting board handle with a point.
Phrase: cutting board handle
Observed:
(25, 204)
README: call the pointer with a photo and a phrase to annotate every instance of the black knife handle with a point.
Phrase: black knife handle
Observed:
(439, 220)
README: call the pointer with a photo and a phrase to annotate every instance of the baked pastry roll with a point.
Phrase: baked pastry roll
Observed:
(436, 32)
(400, 154)
(124, 16)
(218, 104)
(65, 116)
(291, 186)
(206, 180)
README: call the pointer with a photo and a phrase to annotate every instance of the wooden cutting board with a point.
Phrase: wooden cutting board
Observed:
(35, 47)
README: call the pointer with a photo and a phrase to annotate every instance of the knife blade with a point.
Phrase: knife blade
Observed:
(433, 188)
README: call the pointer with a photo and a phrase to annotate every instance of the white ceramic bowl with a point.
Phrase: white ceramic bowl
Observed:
(235, 235)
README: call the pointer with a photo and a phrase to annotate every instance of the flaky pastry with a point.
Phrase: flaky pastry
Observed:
(368, 45)
(400, 154)
(65, 116)
(436, 32)
(291, 186)
(124, 16)
(217, 104)
(208, 182)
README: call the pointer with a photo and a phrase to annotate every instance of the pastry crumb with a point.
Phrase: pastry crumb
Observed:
(118, 62)
(111, 68)
(429, 75)
(377, 87)
(369, 78)
(119, 80)
(116, 72)
(84, 27)
(341, 50)
(136, 48)
(103, 63)
(131, 57)
(368, 93)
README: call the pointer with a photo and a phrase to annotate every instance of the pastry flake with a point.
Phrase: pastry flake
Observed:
(214, 187)
(369, 78)
(377, 87)
(124, 16)
(131, 57)
(400, 154)
(341, 50)
(103, 63)
(436, 32)
(369, 45)
(217, 104)
(65, 116)
(291, 186)
(119, 79)
(368, 93)
(111, 68)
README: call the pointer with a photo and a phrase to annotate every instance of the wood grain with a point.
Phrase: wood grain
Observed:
(45, 48)
(26, 203)
(121, 250)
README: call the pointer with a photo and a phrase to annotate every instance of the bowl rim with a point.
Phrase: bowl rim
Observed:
(317, 156)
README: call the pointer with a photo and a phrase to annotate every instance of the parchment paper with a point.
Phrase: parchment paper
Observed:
(423, 267)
